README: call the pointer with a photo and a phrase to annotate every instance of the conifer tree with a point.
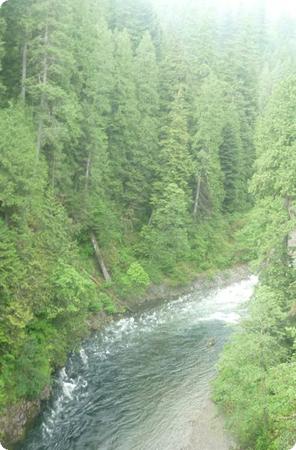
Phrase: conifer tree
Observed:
(2, 27)
(175, 164)
(137, 17)
(20, 179)
(94, 54)
(230, 153)
(166, 237)
(146, 152)
(18, 33)
(123, 129)
(134, 144)
(241, 70)
(275, 166)
(170, 200)
(174, 73)
(209, 122)
(50, 69)
(93, 83)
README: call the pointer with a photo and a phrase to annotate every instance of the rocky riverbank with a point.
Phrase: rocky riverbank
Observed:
(17, 418)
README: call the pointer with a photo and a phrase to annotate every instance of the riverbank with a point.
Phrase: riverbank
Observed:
(19, 418)
(165, 292)
(208, 431)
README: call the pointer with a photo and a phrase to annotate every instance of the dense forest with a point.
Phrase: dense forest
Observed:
(137, 148)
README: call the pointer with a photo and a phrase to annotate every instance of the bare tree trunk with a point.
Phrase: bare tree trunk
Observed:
(87, 173)
(45, 61)
(53, 168)
(290, 238)
(150, 218)
(196, 203)
(42, 99)
(24, 70)
(100, 259)
(39, 138)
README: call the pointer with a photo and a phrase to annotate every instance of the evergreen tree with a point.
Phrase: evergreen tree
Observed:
(144, 159)
(123, 130)
(132, 145)
(137, 17)
(174, 73)
(2, 28)
(231, 161)
(209, 124)
(175, 164)
(17, 36)
(275, 166)
(240, 69)
(20, 179)
(171, 198)
(257, 368)
(50, 69)
(165, 239)
(93, 85)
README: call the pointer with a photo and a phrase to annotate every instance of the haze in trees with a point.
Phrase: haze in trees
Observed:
(137, 147)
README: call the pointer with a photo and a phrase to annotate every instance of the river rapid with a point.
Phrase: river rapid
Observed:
(140, 383)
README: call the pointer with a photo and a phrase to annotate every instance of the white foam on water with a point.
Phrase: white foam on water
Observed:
(83, 356)
(67, 388)
(224, 305)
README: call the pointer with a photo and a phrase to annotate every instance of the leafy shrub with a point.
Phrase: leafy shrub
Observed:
(135, 280)
(108, 303)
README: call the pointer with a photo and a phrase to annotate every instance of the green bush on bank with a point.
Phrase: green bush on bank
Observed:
(256, 381)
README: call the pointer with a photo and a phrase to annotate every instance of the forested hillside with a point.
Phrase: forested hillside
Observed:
(127, 146)
(256, 384)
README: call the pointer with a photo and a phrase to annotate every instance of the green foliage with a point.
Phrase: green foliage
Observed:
(256, 379)
(276, 139)
(108, 303)
(2, 28)
(113, 126)
(71, 289)
(32, 370)
(166, 240)
(20, 174)
(208, 138)
(135, 281)
(210, 244)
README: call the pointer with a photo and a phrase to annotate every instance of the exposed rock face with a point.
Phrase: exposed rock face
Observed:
(16, 418)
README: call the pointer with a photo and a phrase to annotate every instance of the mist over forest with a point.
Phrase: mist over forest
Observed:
(143, 144)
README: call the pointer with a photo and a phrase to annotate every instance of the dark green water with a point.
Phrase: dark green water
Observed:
(138, 384)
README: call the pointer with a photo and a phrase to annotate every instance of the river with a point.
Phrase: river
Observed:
(142, 382)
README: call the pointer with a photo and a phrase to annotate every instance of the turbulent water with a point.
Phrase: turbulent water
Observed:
(138, 384)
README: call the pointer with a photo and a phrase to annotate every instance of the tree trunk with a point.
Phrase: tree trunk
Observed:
(100, 259)
(290, 238)
(87, 173)
(42, 99)
(197, 197)
(53, 168)
(45, 62)
(24, 70)
(39, 138)
(150, 218)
